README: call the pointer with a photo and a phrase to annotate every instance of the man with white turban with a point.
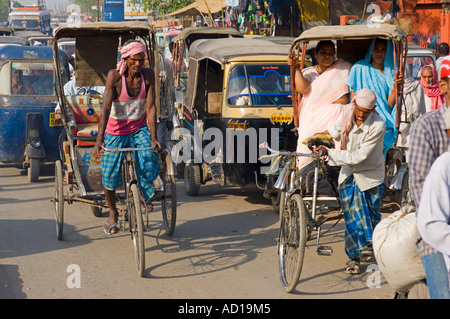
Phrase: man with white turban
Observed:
(361, 180)
(128, 119)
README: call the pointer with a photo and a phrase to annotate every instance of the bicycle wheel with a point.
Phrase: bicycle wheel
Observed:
(293, 237)
(58, 200)
(136, 227)
(169, 202)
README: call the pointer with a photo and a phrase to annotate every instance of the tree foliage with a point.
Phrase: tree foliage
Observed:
(162, 6)
(86, 6)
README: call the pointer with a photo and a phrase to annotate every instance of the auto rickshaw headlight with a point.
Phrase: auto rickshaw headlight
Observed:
(36, 142)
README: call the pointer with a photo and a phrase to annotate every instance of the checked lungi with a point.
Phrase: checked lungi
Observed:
(361, 215)
(146, 162)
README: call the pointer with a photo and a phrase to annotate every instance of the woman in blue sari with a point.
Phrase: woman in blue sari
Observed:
(376, 72)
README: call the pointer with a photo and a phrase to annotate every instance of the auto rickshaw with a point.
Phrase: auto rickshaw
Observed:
(225, 113)
(28, 130)
(352, 42)
(183, 42)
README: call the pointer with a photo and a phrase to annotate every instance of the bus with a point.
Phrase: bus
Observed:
(36, 18)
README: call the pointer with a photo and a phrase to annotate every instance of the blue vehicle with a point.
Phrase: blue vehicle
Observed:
(28, 130)
(31, 18)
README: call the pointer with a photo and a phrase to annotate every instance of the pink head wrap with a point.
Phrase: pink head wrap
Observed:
(432, 91)
(128, 50)
(366, 99)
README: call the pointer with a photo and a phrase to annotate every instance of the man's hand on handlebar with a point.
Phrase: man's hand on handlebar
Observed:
(321, 148)
(157, 146)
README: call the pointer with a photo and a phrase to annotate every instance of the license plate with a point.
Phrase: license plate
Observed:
(53, 121)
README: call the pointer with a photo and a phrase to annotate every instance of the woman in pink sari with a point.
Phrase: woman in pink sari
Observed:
(434, 98)
(324, 93)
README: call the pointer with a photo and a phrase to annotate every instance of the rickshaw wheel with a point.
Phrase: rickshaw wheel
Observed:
(34, 170)
(58, 199)
(192, 179)
(137, 227)
(293, 237)
(169, 202)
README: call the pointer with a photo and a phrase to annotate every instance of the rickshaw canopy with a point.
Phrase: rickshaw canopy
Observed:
(352, 32)
(103, 28)
(189, 35)
(97, 44)
(223, 51)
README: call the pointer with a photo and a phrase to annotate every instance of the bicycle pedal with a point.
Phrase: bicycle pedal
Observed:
(325, 250)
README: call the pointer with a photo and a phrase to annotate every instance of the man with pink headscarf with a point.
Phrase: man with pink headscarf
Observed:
(434, 98)
(361, 180)
(128, 119)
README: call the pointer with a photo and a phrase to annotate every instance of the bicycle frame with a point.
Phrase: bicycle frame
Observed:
(289, 180)
(128, 169)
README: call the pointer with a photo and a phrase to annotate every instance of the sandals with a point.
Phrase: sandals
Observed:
(110, 227)
(352, 267)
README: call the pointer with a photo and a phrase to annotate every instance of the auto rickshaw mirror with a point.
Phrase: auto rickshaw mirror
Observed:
(215, 102)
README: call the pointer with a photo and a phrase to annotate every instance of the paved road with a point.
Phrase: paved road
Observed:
(224, 246)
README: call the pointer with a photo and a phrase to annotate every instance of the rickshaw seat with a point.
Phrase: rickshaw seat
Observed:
(86, 111)
(89, 129)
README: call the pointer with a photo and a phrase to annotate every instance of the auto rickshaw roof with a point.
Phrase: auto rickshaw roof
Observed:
(352, 32)
(26, 52)
(139, 28)
(12, 39)
(224, 50)
(191, 34)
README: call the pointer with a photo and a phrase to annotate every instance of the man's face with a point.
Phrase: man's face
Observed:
(427, 75)
(136, 62)
(15, 77)
(269, 81)
(361, 114)
(443, 85)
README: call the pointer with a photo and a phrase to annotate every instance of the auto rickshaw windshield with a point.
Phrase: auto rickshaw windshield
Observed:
(32, 78)
(269, 85)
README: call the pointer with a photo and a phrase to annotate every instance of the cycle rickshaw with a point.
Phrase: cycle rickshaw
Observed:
(300, 204)
(96, 52)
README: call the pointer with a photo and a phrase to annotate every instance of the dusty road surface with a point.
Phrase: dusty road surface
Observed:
(224, 247)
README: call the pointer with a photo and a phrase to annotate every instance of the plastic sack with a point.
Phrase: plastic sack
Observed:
(394, 246)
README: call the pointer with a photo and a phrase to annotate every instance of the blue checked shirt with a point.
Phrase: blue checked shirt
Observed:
(428, 140)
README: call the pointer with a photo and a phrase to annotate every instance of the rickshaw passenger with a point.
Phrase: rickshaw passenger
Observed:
(260, 86)
(376, 72)
(413, 107)
(20, 85)
(361, 179)
(429, 79)
(128, 105)
(324, 94)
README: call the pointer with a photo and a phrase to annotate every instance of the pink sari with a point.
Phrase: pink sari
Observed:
(316, 110)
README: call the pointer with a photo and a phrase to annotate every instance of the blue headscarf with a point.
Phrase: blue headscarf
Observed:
(364, 75)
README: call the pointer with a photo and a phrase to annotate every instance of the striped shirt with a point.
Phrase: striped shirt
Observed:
(429, 139)
(128, 114)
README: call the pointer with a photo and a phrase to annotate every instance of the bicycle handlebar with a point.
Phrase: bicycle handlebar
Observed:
(127, 149)
(266, 145)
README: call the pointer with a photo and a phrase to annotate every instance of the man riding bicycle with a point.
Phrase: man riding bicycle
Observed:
(128, 119)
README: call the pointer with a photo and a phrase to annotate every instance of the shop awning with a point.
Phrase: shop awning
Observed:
(200, 7)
